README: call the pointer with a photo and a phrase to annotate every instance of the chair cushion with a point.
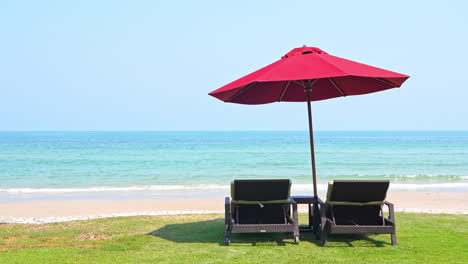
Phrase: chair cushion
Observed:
(356, 215)
(254, 214)
(261, 190)
(260, 201)
(357, 193)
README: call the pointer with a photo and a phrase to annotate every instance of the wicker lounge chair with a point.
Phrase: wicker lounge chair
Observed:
(356, 207)
(260, 206)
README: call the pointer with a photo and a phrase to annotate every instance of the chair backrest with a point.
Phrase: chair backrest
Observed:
(261, 190)
(357, 191)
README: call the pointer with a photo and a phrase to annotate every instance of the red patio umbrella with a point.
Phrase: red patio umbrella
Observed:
(308, 74)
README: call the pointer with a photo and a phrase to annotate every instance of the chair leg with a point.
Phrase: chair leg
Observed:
(296, 239)
(227, 221)
(323, 225)
(316, 219)
(324, 233)
(295, 222)
(296, 235)
(324, 238)
(227, 238)
(394, 240)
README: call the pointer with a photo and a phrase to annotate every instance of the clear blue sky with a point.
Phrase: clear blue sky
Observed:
(148, 65)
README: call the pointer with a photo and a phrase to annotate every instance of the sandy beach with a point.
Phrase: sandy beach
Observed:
(46, 211)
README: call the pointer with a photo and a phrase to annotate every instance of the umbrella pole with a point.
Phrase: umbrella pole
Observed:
(316, 213)
(308, 89)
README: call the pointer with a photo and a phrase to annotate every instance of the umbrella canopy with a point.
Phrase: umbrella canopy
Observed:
(308, 74)
(284, 80)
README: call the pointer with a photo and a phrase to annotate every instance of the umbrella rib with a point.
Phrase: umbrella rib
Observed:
(284, 91)
(336, 86)
(386, 82)
(241, 91)
(312, 81)
(304, 82)
(300, 83)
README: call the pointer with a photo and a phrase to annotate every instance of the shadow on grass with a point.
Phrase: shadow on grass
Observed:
(212, 231)
(353, 240)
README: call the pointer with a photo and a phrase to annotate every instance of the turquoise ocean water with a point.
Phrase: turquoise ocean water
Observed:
(80, 161)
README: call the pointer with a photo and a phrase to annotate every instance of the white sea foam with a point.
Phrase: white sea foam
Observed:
(114, 189)
(449, 186)
(423, 186)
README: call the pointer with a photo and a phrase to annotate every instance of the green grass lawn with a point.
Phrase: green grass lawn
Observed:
(423, 238)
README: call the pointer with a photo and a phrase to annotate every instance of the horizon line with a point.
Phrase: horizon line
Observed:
(243, 130)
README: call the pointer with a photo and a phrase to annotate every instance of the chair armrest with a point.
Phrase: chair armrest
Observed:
(295, 212)
(292, 201)
(323, 215)
(319, 201)
(391, 211)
